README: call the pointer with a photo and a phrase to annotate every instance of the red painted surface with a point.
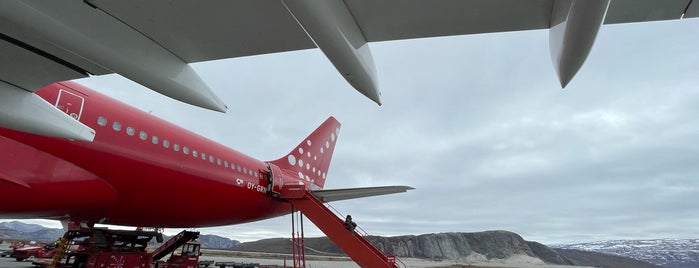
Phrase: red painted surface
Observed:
(353, 244)
(21, 254)
(121, 179)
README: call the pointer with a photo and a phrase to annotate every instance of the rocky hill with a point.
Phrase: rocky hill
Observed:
(671, 253)
(217, 242)
(491, 246)
(453, 246)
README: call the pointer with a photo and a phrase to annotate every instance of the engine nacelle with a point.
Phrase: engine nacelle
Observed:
(574, 27)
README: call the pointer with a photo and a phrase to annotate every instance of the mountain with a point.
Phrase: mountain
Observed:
(214, 241)
(33, 232)
(596, 259)
(671, 253)
(21, 227)
(501, 247)
(488, 245)
(22, 231)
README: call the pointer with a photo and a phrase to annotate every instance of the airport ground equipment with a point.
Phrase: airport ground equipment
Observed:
(356, 246)
(101, 247)
(23, 253)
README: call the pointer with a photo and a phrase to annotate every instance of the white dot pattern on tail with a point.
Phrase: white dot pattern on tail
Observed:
(310, 158)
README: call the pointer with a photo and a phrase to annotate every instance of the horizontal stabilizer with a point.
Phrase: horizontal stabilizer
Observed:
(352, 193)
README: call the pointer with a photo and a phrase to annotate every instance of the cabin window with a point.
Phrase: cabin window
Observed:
(232, 166)
(203, 156)
(240, 169)
(130, 131)
(176, 147)
(245, 170)
(102, 121)
(225, 163)
(211, 159)
(116, 126)
(166, 143)
(257, 175)
(185, 150)
(154, 139)
(143, 135)
(194, 153)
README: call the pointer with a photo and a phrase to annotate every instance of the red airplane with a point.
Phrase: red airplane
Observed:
(101, 161)
(138, 168)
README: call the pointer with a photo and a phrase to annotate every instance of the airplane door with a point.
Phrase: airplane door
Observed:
(275, 175)
(70, 103)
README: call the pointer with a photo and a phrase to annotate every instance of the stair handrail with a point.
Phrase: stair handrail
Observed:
(333, 212)
(357, 229)
(362, 232)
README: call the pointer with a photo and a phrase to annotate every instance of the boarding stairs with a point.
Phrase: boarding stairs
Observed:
(173, 243)
(353, 244)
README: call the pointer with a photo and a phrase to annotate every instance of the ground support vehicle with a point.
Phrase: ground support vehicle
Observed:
(31, 253)
(101, 247)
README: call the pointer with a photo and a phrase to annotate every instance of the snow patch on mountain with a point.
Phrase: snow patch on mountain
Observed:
(671, 253)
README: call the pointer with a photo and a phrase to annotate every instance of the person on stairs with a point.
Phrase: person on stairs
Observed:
(349, 224)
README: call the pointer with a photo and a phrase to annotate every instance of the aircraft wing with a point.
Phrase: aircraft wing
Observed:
(153, 42)
(331, 195)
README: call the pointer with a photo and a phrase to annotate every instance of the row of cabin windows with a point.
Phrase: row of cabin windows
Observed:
(102, 121)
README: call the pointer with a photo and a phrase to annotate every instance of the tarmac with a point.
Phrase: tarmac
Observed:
(11, 263)
(409, 262)
(311, 261)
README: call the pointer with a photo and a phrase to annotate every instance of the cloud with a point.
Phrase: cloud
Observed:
(479, 125)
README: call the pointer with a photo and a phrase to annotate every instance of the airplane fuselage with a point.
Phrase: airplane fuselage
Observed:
(139, 170)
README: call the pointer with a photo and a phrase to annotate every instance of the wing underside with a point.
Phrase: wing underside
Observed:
(153, 42)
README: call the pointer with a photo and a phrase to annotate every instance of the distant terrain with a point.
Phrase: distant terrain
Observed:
(500, 247)
(23, 231)
(671, 253)
(479, 247)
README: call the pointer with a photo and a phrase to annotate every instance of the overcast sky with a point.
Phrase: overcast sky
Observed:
(480, 126)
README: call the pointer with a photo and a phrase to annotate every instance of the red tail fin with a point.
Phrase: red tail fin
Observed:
(311, 158)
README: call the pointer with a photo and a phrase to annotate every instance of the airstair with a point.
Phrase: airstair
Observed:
(353, 244)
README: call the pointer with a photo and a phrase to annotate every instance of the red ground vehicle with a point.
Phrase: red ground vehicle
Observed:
(25, 243)
(24, 253)
(96, 248)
